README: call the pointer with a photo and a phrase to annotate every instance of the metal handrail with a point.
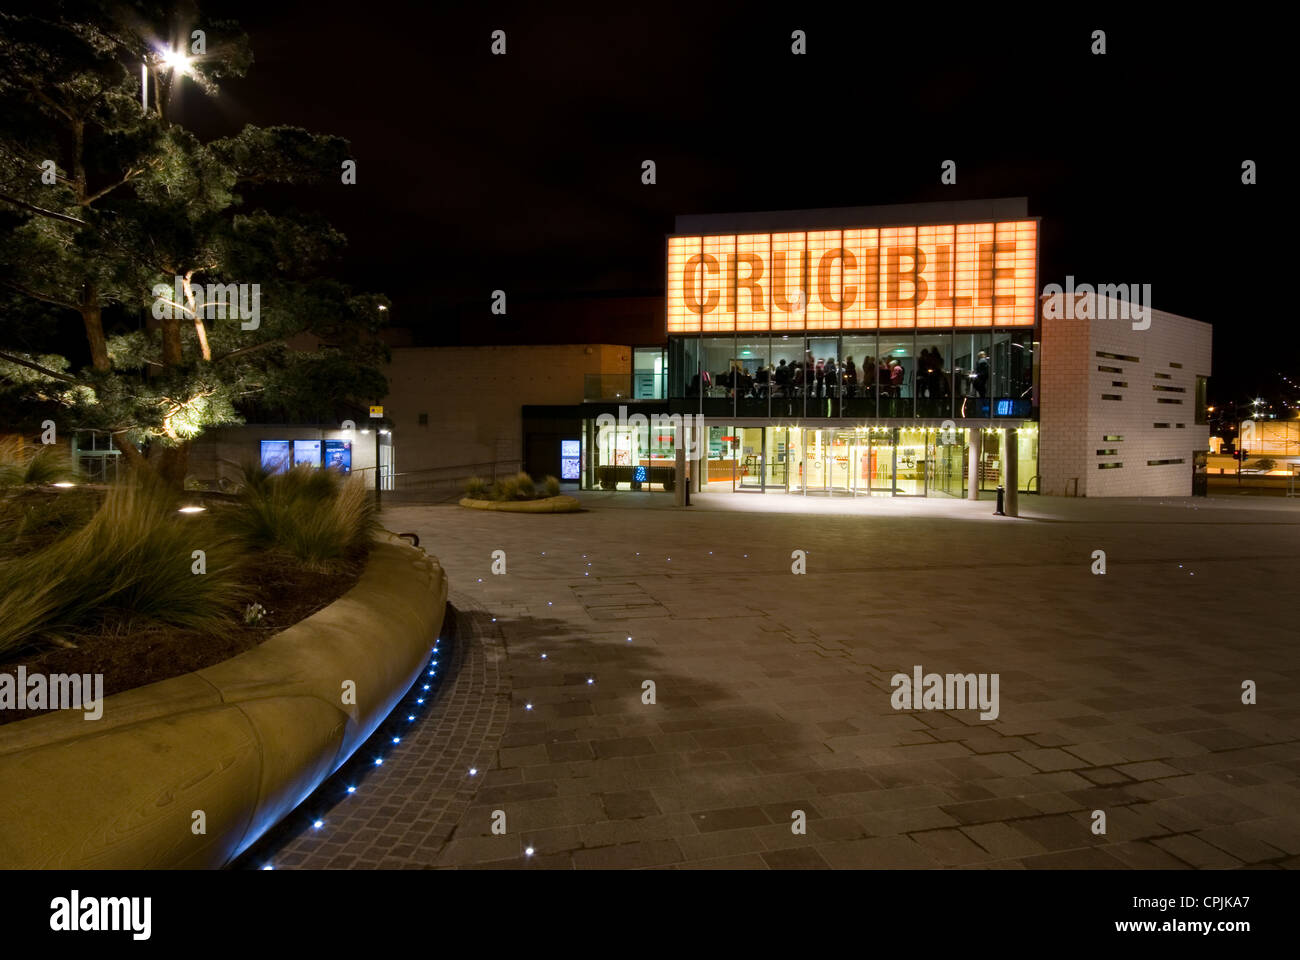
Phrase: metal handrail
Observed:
(450, 480)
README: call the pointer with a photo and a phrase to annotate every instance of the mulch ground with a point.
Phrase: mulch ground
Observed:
(147, 653)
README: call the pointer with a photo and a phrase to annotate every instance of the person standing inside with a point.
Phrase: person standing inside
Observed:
(850, 378)
(982, 375)
(895, 378)
(936, 359)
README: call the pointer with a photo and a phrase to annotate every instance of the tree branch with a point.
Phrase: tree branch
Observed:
(41, 210)
(39, 369)
(37, 295)
(130, 175)
(243, 350)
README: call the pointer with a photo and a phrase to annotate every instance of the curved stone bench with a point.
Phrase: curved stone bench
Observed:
(244, 741)
(560, 504)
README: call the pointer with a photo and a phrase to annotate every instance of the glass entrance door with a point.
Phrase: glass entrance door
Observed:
(945, 457)
(778, 458)
(751, 458)
(879, 468)
(816, 461)
(910, 477)
(839, 468)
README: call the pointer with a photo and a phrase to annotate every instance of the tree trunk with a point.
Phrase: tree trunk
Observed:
(172, 463)
(171, 340)
(92, 318)
(134, 458)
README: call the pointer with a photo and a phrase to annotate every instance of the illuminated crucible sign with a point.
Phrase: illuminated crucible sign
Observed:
(951, 275)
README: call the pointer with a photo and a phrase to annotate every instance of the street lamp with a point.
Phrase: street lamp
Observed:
(174, 60)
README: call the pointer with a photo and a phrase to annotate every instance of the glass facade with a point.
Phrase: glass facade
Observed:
(649, 373)
(810, 460)
(894, 374)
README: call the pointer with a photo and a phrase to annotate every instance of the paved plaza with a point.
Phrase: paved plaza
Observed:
(1119, 693)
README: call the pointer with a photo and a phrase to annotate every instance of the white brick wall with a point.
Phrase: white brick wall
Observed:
(1075, 418)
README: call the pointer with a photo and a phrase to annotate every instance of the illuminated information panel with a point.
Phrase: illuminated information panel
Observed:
(949, 275)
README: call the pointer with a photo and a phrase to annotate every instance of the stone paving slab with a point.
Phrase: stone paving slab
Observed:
(1119, 693)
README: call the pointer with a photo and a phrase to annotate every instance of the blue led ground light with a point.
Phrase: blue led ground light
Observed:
(349, 779)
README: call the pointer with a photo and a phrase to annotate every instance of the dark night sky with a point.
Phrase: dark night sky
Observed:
(522, 172)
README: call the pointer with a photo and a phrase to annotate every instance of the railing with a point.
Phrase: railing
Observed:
(447, 483)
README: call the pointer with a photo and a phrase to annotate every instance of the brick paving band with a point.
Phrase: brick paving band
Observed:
(404, 811)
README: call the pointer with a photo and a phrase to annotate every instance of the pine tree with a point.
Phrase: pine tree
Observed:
(105, 209)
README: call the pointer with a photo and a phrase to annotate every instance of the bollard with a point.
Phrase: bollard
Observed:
(1001, 492)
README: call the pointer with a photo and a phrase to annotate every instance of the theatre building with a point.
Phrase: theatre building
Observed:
(898, 351)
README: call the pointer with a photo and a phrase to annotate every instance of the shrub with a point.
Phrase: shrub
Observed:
(48, 464)
(551, 486)
(318, 517)
(476, 488)
(525, 489)
(33, 518)
(505, 489)
(132, 561)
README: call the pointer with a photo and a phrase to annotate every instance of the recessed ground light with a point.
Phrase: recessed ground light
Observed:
(473, 770)
(528, 852)
(379, 761)
(528, 706)
(64, 483)
(352, 789)
(318, 824)
(192, 509)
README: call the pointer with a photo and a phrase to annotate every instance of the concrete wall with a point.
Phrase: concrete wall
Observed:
(218, 454)
(1155, 411)
(472, 397)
